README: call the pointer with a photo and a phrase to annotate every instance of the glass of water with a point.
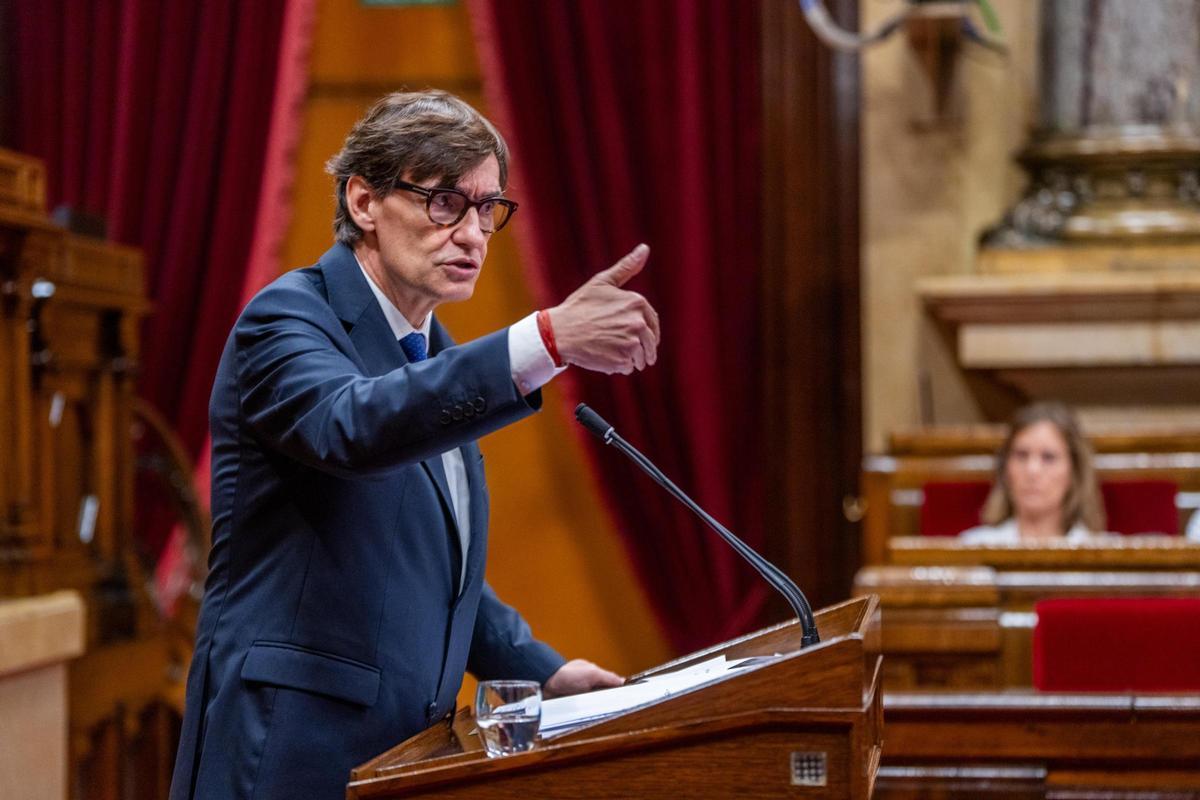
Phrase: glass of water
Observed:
(507, 714)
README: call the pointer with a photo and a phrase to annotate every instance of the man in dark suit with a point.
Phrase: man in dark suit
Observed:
(345, 596)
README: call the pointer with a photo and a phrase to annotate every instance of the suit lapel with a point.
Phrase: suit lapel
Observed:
(439, 341)
(437, 473)
(356, 306)
(353, 301)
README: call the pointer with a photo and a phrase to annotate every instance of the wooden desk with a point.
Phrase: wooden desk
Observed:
(38, 635)
(962, 616)
(1040, 745)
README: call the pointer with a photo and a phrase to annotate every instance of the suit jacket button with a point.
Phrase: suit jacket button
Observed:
(480, 404)
(468, 410)
(445, 418)
(458, 412)
(431, 713)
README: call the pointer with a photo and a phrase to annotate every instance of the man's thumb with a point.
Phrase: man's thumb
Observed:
(631, 264)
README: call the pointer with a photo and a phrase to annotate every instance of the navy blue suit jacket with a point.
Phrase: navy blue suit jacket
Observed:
(332, 625)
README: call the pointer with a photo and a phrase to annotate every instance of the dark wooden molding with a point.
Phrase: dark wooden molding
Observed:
(812, 385)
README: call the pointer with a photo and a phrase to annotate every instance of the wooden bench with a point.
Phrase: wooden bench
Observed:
(892, 486)
(961, 616)
(985, 439)
(1040, 745)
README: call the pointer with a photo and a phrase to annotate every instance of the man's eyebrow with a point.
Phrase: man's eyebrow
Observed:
(493, 193)
(485, 195)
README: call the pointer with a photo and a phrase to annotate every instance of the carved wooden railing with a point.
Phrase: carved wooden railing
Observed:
(70, 312)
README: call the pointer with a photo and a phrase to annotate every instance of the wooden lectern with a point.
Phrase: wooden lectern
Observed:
(808, 724)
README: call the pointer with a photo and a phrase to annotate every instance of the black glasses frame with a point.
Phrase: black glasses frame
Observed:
(468, 204)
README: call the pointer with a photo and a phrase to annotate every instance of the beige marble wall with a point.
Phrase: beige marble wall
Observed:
(930, 185)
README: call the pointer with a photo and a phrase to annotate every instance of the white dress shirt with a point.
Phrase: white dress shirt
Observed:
(531, 368)
(1008, 533)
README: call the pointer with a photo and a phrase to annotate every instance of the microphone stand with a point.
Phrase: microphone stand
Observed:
(770, 573)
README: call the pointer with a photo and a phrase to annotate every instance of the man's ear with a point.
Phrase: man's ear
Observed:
(359, 201)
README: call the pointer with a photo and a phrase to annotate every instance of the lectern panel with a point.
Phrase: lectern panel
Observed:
(806, 724)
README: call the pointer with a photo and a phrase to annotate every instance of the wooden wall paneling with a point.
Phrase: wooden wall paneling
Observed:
(101, 479)
(35, 247)
(104, 778)
(69, 349)
(9, 334)
(812, 408)
(24, 504)
(1016, 663)
(123, 730)
(118, 366)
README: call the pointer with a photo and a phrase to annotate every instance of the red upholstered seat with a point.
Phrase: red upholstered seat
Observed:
(950, 507)
(1146, 506)
(1116, 645)
(1139, 506)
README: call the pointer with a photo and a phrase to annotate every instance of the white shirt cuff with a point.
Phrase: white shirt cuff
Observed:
(532, 367)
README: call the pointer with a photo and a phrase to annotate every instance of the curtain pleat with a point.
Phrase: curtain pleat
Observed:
(639, 121)
(155, 115)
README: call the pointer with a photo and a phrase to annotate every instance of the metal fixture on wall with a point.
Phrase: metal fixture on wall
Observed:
(956, 14)
(935, 29)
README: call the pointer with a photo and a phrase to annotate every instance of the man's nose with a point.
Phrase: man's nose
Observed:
(469, 229)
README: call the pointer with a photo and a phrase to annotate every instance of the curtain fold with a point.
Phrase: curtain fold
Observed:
(155, 115)
(640, 121)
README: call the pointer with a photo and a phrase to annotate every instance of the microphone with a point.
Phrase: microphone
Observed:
(772, 574)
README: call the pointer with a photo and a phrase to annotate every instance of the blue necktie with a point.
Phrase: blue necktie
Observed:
(413, 346)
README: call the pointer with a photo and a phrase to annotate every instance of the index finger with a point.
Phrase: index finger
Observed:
(652, 321)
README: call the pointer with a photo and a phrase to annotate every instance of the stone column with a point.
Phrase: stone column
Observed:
(1116, 153)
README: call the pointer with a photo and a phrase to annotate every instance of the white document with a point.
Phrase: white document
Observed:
(563, 714)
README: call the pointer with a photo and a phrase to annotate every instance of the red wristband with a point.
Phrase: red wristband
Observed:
(547, 332)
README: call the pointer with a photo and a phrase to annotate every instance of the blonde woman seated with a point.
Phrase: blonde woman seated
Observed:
(1045, 487)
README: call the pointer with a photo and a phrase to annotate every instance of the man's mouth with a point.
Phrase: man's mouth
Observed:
(461, 267)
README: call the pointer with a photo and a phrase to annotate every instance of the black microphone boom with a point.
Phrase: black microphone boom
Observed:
(772, 574)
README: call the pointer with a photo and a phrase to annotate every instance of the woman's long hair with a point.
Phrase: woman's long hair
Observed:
(1082, 502)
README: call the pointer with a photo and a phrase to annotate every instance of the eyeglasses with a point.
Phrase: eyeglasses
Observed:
(447, 207)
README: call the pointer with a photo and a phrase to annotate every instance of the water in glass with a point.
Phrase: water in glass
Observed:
(507, 714)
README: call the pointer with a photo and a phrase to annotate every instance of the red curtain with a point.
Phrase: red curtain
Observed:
(155, 115)
(637, 121)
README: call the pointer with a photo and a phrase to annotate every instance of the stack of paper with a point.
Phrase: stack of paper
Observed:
(564, 714)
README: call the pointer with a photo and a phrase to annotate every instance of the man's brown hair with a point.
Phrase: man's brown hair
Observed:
(412, 136)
